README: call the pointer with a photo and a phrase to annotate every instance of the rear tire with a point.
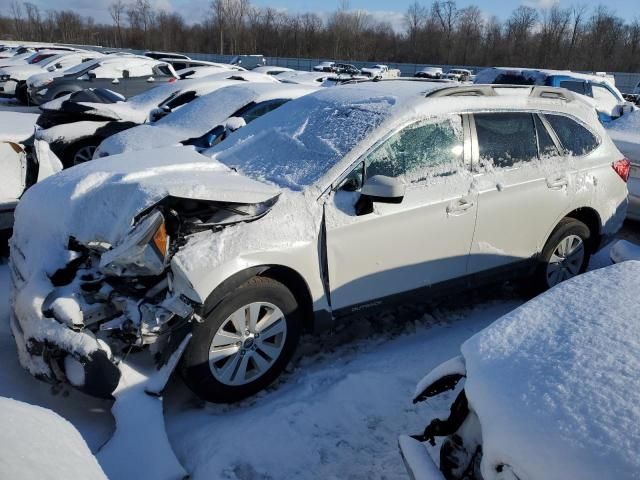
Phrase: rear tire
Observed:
(565, 255)
(22, 95)
(244, 343)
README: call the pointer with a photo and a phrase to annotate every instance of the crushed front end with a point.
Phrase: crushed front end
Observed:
(75, 324)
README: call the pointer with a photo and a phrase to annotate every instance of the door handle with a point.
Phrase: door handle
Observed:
(557, 183)
(459, 207)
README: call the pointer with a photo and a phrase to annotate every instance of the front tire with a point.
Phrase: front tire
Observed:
(22, 95)
(565, 255)
(244, 343)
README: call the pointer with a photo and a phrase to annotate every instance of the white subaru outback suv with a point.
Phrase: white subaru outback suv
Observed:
(342, 201)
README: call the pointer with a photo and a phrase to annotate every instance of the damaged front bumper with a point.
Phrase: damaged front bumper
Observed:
(88, 322)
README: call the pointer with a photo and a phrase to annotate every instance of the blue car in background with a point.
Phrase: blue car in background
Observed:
(610, 103)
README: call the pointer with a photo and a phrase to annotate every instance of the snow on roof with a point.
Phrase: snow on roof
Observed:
(199, 116)
(37, 444)
(555, 382)
(625, 133)
(17, 126)
(299, 142)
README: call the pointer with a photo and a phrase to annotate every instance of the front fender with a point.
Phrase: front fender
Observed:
(201, 282)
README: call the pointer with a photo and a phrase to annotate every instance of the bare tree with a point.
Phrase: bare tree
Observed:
(117, 11)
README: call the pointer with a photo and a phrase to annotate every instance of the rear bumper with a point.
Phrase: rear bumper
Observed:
(633, 209)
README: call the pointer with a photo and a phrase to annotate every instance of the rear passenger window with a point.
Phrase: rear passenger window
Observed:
(419, 151)
(506, 139)
(546, 147)
(575, 138)
(574, 86)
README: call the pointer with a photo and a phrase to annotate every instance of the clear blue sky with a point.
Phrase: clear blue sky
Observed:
(391, 11)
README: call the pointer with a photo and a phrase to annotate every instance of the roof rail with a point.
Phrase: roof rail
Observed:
(536, 91)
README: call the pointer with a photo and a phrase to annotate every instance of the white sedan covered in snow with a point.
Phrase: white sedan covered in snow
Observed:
(207, 120)
(550, 390)
(342, 201)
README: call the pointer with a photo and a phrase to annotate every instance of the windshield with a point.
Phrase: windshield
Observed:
(81, 67)
(295, 145)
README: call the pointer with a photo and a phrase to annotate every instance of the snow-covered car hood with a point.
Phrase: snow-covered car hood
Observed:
(21, 72)
(98, 201)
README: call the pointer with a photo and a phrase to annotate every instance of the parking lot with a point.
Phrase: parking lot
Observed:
(244, 226)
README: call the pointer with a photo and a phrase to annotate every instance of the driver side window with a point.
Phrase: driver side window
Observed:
(419, 151)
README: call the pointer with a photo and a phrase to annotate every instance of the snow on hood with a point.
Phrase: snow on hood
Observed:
(17, 126)
(197, 117)
(97, 201)
(38, 444)
(555, 382)
(625, 133)
(21, 72)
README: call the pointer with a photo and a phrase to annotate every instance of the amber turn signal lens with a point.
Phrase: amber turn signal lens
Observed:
(160, 239)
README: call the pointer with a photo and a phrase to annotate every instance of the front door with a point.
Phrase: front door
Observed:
(400, 247)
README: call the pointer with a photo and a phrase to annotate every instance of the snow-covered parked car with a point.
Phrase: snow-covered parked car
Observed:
(127, 75)
(206, 70)
(609, 102)
(380, 71)
(207, 120)
(328, 67)
(274, 71)
(76, 124)
(324, 208)
(18, 171)
(459, 75)
(625, 133)
(549, 390)
(305, 78)
(13, 79)
(429, 72)
(249, 61)
(37, 443)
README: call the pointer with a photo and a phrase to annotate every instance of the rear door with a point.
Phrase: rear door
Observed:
(524, 185)
(13, 181)
(399, 247)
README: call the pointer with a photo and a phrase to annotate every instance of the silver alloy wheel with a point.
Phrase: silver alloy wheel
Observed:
(84, 154)
(247, 343)
(566, 260)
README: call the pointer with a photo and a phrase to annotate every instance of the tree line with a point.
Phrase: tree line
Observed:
(439, 32)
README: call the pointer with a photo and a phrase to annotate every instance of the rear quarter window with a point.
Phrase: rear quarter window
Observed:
(576, 139)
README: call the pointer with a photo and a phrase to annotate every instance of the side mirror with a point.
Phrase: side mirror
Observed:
(125, 74)
(91, 75)
(379, 188)
(234, 123)
(383, 189)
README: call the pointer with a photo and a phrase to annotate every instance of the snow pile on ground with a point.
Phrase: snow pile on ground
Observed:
(139, 448)
(625, 133)
(554, 383)
(338, 414)
(624, 250)
(38, 444)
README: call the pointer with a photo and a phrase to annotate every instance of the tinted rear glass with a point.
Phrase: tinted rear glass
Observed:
(575, 138)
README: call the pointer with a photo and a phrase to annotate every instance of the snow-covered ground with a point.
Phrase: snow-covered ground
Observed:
(336, 414)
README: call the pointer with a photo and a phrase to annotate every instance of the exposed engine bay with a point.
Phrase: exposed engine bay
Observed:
(124, 296)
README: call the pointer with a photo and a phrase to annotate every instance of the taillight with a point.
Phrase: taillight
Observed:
(622, 168)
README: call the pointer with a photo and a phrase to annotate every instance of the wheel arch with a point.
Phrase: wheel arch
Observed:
(587, 215)
(289, 277)
(591, 218)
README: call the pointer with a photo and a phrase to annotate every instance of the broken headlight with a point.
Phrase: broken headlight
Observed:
(143, 252)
